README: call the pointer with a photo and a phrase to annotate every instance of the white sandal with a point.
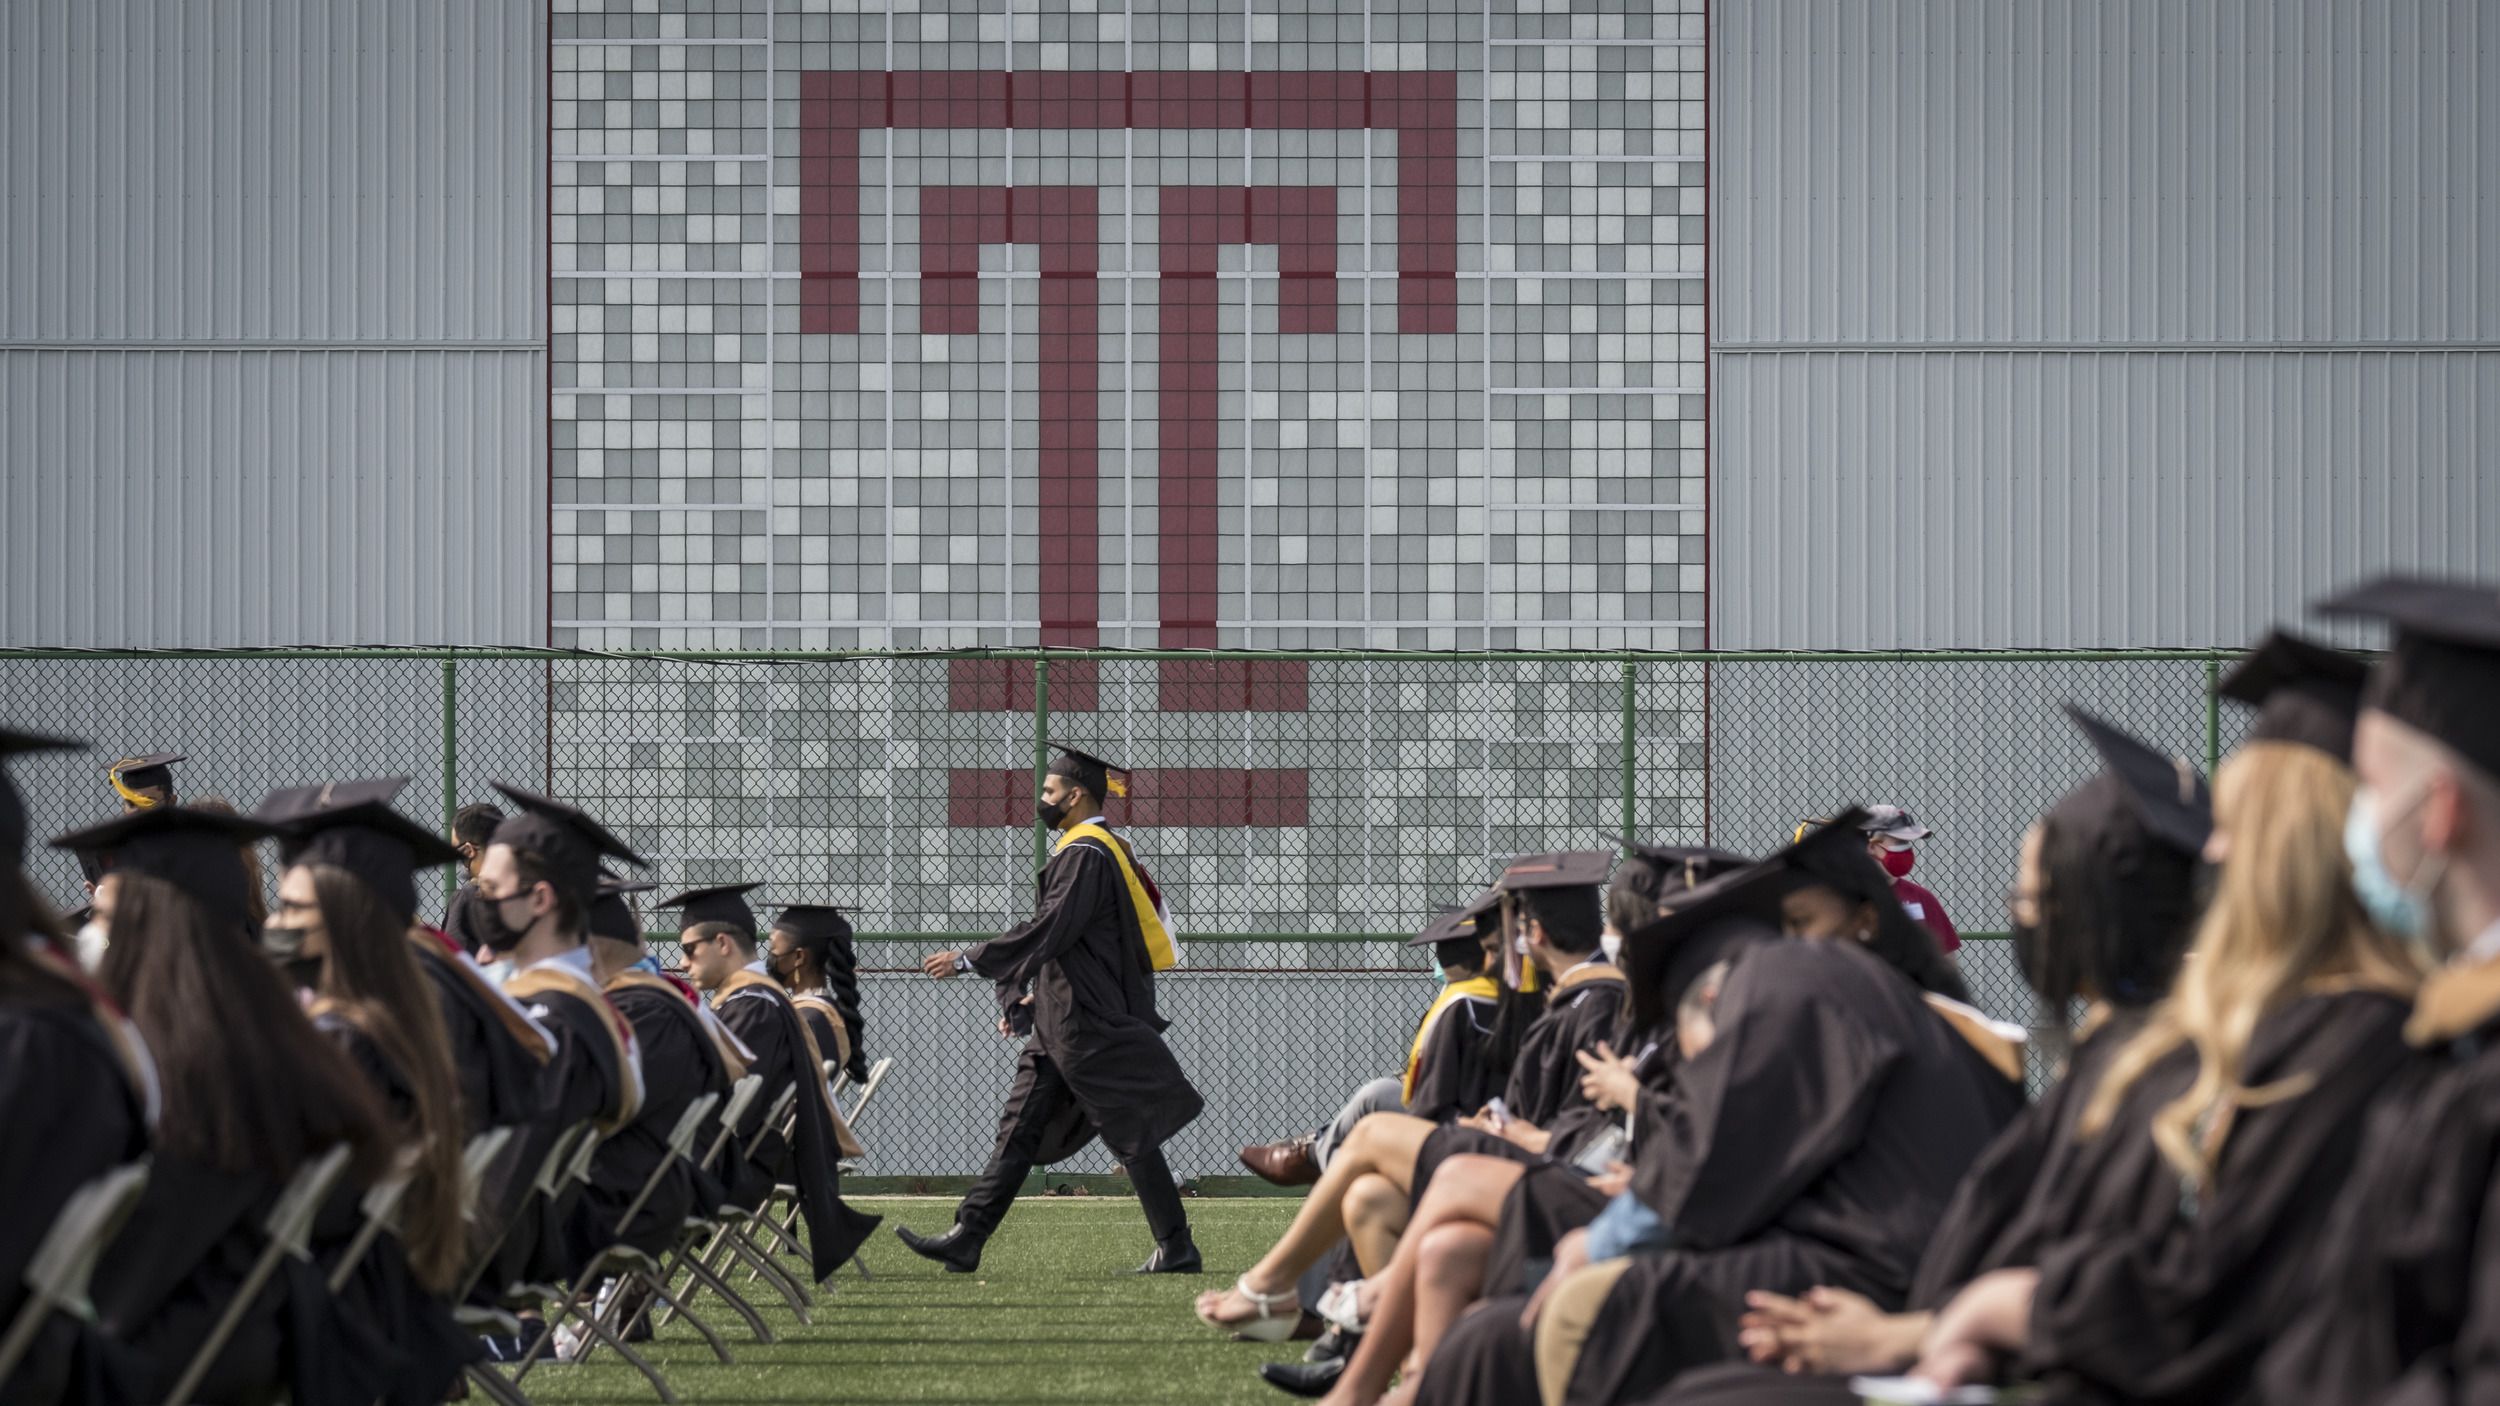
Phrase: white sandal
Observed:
(1274, 1319)
(1342, 1305)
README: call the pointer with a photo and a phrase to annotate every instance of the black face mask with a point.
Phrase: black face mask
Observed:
(2027, 953)
(284, 947)
(505, 934)
(1051, 813)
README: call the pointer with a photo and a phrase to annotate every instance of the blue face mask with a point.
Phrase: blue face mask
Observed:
(2397, 909)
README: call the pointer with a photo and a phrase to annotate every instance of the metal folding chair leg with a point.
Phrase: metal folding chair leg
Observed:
(790, 1290)
(495, 1384)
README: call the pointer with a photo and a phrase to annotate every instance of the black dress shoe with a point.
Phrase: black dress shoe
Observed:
(959, 1249)
(1303, 1378)
(1178, 1256)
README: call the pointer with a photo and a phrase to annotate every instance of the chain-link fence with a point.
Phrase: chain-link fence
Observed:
(1301, 811)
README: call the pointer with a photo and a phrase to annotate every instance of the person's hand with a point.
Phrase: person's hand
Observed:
(1614, 1181)
(1482, 1121)
(1610, 1081)
(1828, 1331)
(1989, 1318)
(1005, 1030)
(1522, 1133)
(1571, 1255)
(938, 965)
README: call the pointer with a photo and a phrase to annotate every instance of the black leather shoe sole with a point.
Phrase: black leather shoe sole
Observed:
(932, 1247)
(1302, 1378)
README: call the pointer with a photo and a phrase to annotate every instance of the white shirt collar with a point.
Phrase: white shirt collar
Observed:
(2484, 947)
(577, 958)
(1596, 961)
(757, 966)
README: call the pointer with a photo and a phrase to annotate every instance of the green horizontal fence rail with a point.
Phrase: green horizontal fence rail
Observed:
(836, 776)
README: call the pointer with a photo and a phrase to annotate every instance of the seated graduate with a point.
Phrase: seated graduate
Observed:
(809, 947)
(720, 945)
(2103, 891)
(685, 1055)
(1553, 918)
(347, 894)
(1449, 1071)
(1447, 1252)
(2401, 1305)
(537, 883)
(74, 1077)
(252, 1093)
(1814, 1141)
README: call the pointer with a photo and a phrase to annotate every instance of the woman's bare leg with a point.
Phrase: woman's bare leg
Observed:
(1449, 1276)
(1437, 1270)
(1375, 1216)
(1384, 1143)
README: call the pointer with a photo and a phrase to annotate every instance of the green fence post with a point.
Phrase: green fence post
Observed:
(1041, 750)
(451, 761)
(1631, 727)
(2213, 716)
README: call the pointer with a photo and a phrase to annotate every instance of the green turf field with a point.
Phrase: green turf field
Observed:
(1053, 1316)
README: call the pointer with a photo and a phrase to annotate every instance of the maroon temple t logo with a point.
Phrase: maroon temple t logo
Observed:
(1194, 222)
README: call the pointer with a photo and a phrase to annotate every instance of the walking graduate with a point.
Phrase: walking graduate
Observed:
(1086, 963)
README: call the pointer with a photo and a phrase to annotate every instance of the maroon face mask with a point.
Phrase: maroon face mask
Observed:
(1899, 862)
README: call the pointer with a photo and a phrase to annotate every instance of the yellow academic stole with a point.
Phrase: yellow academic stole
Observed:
(1481, 986)
(743, 980)
(1161, 951)
(540, 980)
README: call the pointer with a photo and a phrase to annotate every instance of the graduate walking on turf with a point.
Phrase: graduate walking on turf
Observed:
(1096, 1063)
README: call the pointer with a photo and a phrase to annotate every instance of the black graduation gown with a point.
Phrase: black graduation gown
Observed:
(1814, 1142)
(427, 1349)
(679, 1065)
(820, 1025)
(1084, 958)
(501, 1081)
(1554, 1197)
(1543, 1087)
(2403, 1303)
(587, 1079)
(764, 1019)
(463, 923)
(61, 1086)
(1453, 1077)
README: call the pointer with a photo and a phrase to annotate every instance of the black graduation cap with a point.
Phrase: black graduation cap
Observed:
(568, 839)
(1574, 868)
(1683, 866)
(1834, 854)
(724, 903)
(610, 916)
(350, 825)
(197, 851)
(1100, 777)
(2168, 792)
(2443, 670)
(2303, 692)
(1447, 925)
(815, 922)
(12, 805)
(130, 775)
(1701, 925)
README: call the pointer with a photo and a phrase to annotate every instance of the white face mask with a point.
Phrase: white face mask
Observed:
(91, 940)
(1611, 943)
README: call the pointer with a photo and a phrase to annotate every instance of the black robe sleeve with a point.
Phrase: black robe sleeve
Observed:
(500, 1083)
(677, 1070)
(1545, 1078)
(812, 1162)
(1075, 884)
(462, 923)
(755, 1021)
(2176, 1301)
(1780, 1094)
(60, 1089)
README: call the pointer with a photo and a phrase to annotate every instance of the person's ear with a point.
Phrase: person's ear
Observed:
(2442, 813)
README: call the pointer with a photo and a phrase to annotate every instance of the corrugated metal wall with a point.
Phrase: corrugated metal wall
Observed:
(2096, 323)
(272, 349)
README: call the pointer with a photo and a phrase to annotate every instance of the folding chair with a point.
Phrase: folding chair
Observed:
(698, 1264)
(381, 1208)
(867, 1093)
(289, 1229)
(481, 1318)
(630, 1263)
(728, 1224)
(59, 1275)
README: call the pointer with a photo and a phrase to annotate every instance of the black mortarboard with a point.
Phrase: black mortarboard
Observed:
(1575, 868)
(1834, 854)
(197, 851)
(2168, 792)
(570, 841)
(12, 805)
(132, 774)
(1447, 925)
(724, 903)
(350, 825)
(2442, 671)
(1683, 866)
(2303, 692)
(1089, 771)
(1701, 926)
(611, 916)
(816, 922)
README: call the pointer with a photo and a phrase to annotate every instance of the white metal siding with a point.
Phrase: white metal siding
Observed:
(2096, 323)
(272, 267)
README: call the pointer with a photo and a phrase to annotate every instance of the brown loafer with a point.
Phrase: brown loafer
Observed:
(1287, 1163)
